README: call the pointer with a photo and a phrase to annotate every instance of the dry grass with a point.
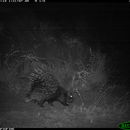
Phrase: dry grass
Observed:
(74, 117)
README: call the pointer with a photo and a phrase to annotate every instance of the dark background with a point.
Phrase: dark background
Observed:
(105, 25)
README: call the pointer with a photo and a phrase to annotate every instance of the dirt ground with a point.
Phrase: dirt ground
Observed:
(14, 112)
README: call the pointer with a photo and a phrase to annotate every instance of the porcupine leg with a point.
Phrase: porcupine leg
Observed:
(63, 102)
(41, 103)
(62, 98)
(50, 103)
(35, 101)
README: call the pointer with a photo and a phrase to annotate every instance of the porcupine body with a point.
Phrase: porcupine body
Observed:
(46, 88)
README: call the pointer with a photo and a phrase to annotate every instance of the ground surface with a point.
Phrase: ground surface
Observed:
(15, 113)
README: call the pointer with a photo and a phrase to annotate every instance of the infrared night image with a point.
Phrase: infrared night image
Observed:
(64, 65)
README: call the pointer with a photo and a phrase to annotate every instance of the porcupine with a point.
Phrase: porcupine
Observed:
(46, 88)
